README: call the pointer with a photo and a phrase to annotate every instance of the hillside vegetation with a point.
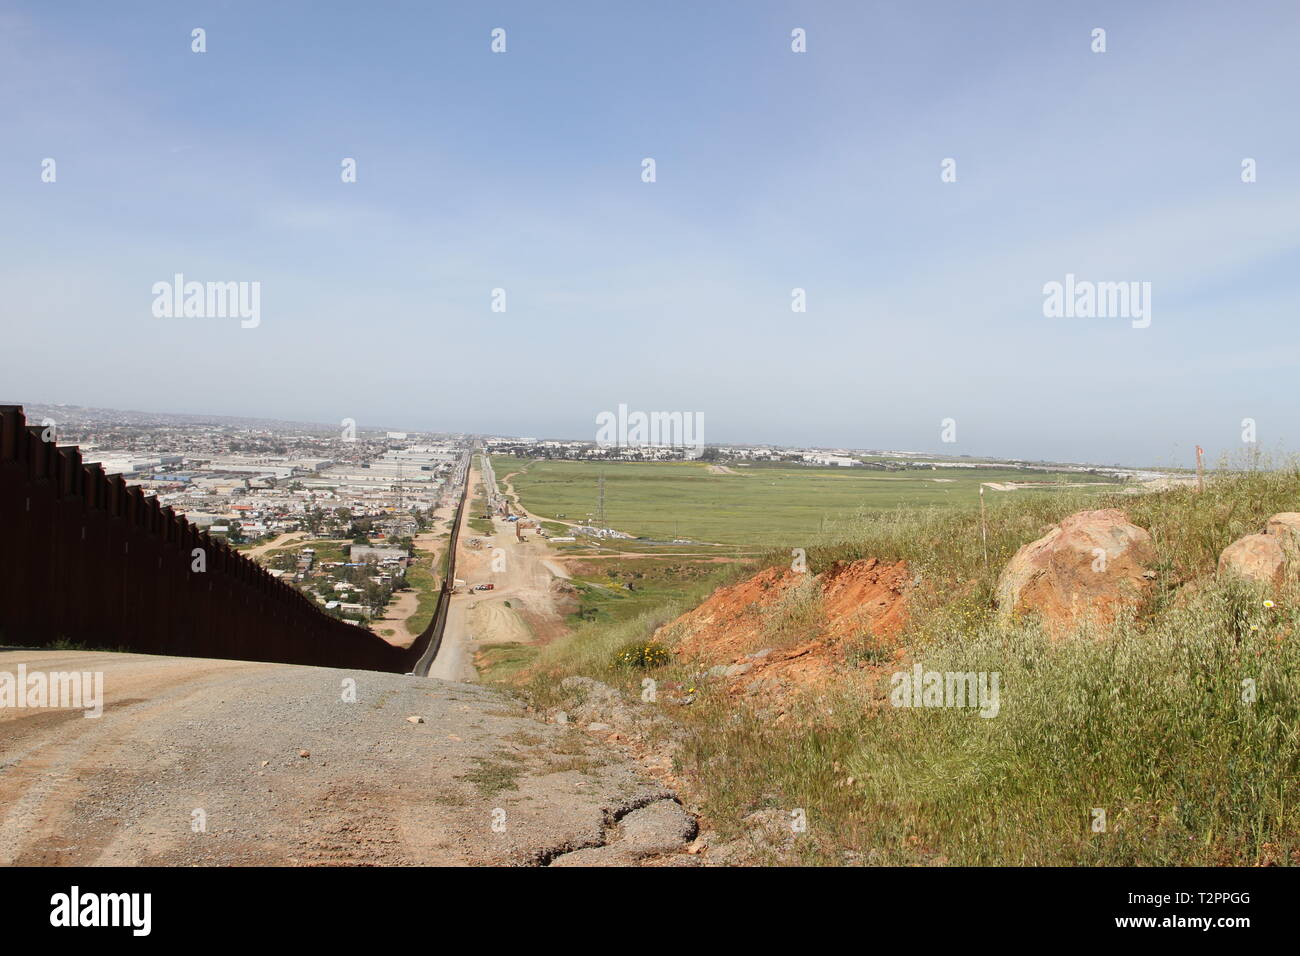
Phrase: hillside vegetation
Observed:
(1182, 724)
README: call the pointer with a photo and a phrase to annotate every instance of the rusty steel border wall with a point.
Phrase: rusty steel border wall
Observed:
(91, 561)
(424, 649)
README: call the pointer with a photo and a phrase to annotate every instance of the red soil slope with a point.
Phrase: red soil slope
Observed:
(860, 600)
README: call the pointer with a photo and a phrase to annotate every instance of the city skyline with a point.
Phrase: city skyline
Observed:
(187, 418)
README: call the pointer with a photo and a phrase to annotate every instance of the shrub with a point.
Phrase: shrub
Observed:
(643, 654)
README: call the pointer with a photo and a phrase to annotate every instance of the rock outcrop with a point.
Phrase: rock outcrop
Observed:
(1087, 568)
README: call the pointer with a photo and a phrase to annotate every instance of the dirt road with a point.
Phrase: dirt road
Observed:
(517, 505)
(524, 577)
(214, 763)
(279, 541)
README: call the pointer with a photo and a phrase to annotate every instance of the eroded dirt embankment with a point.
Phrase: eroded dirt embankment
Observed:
(782, 629)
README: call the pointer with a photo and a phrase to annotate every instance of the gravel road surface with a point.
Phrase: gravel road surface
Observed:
(214, 762)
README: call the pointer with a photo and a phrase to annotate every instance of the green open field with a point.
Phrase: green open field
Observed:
(759, 505)
(619, 589)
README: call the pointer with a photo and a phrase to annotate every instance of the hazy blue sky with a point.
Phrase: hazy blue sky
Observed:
(775, 170)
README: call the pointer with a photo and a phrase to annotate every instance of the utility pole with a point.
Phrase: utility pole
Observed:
(984, 529)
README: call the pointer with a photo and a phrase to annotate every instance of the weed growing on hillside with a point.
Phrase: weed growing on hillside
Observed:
(798, 615)
(867, 650)
(643, 654)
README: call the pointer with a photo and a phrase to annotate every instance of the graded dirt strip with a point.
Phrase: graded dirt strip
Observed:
(523, 575)
(226, 738)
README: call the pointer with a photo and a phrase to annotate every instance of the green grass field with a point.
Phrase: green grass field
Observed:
(759, 505)
(617, 590)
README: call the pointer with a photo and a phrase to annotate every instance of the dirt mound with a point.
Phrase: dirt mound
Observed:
(730, 621)
(784, 627)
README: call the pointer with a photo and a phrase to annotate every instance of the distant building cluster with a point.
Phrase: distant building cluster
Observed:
(220, 477)
(251, 483)
(872, 459)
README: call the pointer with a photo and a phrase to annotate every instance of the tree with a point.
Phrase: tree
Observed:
(285, 561)
(376, 597)
(315, 518)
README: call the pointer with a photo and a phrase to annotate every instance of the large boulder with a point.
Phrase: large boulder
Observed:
(1286, 527)
(1268, 558)
(1256, 557)
(1086, 568)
